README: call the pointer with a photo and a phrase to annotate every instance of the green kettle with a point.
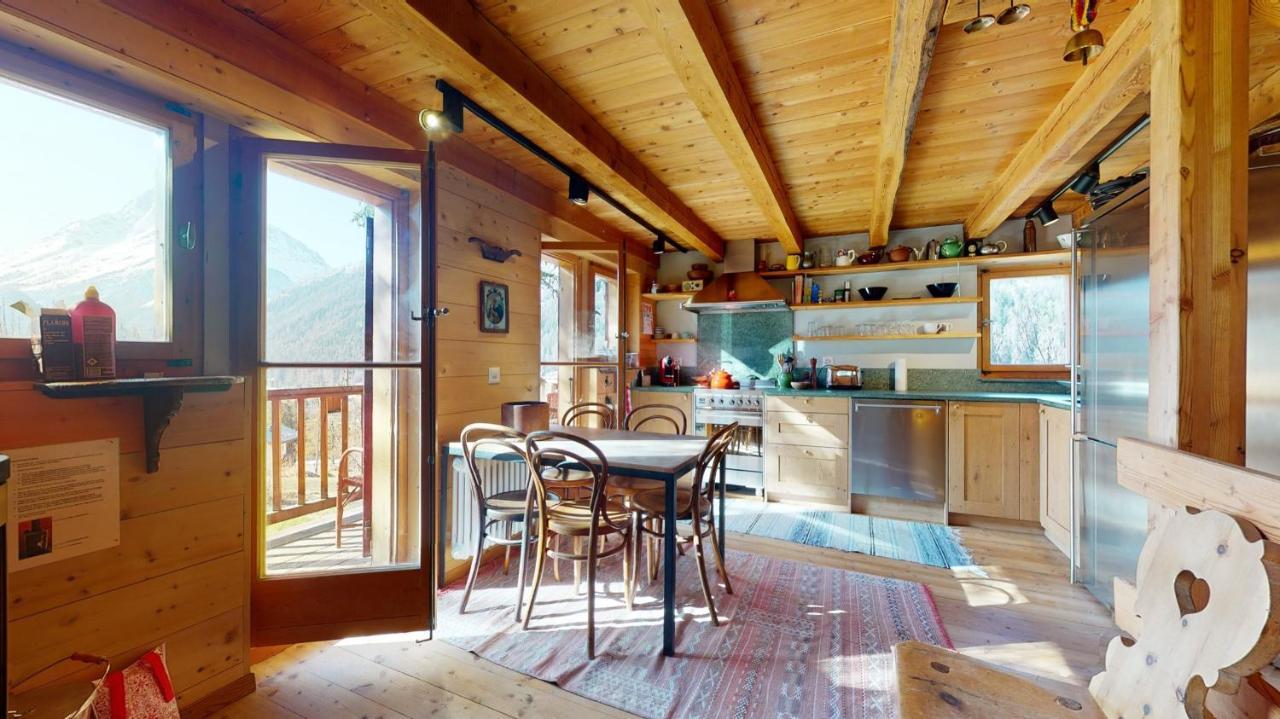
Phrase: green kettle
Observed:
(951, 247)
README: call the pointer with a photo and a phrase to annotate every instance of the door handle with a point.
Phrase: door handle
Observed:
(937, 408)
(434, 312)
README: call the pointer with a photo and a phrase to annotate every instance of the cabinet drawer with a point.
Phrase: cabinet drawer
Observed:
(809, 429)
(817, 472)
(803, 403)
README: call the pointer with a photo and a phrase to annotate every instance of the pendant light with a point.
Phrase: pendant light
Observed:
(1086, 43)
(1013, 13)
(980, 21)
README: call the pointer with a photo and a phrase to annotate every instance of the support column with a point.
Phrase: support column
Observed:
(1199, 221)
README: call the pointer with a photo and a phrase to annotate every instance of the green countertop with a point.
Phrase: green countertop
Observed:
(1062, 401)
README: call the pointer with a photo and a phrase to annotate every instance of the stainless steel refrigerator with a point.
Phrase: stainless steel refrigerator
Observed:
(1262, 397)
(1110, 273)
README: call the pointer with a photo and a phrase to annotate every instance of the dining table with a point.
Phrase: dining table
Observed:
(644, 455)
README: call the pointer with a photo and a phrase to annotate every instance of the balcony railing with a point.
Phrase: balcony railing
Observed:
(293, 414)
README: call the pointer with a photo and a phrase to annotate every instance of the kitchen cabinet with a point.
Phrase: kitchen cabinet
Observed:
(1055, 476)
(993, 460)
(680, 400)
(806, 448)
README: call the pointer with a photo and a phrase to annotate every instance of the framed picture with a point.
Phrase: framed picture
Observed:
(495, 314)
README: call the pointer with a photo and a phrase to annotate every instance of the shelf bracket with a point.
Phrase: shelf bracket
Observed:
(158, 408)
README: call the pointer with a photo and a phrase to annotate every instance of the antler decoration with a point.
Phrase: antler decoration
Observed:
(497, 253)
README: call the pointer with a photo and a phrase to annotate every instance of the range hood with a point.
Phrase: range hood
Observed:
(739, 288)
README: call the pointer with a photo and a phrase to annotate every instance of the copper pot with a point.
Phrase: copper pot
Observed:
(721, 379)
(871, 256)
(700, 271)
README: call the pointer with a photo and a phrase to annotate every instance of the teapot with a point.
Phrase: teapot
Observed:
(720, 379)
(993, 248)
(951, 247)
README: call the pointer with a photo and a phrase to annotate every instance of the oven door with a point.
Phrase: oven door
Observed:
(744, 463)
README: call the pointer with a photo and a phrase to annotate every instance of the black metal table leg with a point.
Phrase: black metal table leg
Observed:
(669, 571)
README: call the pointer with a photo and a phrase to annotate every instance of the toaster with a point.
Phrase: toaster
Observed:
(843, 376)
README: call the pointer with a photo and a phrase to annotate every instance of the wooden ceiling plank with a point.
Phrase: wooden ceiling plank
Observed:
(687, 34)
(490, 68)
(1264, 100)
(1101, 92)
(915, 33)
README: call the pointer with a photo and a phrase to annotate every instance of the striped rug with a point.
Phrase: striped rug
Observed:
(795, 640)
(935, 545)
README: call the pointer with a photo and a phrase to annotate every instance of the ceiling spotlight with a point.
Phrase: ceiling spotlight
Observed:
(1086, 180)
(579, 190)
(1045, 214)
(430, 120)
(1013, 13)
(980, 21)
(659, 247)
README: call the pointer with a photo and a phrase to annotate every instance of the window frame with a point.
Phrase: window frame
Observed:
(185, 275)
(1022, 372)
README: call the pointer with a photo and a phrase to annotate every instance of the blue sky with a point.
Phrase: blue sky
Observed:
(54, 155)
(62, 161)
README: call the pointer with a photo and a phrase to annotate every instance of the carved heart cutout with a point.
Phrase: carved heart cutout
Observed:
(1192, 592)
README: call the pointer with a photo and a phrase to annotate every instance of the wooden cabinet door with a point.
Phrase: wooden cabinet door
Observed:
(682, 401)
(1055, 476)
(983, 443)
(815, 473)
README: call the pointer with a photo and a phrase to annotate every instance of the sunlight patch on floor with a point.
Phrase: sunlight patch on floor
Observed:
(988, 592)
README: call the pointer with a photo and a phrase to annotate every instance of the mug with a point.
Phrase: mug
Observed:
(793, 262)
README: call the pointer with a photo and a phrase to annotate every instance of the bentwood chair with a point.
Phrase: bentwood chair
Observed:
(350, 487)
(654, 417)
(580, 414)
(507, 507)
(695, 505)
(598, 519)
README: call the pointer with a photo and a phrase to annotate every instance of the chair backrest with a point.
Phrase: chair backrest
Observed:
(661, 413)
(709, 462)
(578, 414)
(495, 437)
(552, 464)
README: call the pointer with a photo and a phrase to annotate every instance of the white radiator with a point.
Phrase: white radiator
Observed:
(464, 519)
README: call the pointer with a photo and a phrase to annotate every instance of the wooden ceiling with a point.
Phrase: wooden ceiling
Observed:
(593, 84)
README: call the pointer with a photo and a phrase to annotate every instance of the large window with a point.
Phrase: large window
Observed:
(1025, 323)
(89, 192)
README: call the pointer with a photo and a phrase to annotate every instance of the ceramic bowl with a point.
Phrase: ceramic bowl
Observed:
(803, 384)
(942, 289)
(872, 294)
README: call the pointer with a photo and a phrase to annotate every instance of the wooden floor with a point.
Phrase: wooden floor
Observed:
(1024, 615)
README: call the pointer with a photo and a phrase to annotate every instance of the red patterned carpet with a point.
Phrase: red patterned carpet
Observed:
(795, 640)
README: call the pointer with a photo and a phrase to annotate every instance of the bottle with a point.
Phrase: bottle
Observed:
(815, 295)
(93, 331)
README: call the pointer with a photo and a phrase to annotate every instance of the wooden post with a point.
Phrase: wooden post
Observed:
(302, 451)
(276, 442)
(1199, 221)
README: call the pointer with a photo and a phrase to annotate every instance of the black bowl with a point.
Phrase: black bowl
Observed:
(942, 289)
(872, 293)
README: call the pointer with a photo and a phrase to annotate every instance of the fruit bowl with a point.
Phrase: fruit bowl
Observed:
(872, 294)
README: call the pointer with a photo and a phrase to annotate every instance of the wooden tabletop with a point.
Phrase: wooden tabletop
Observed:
(631, 454)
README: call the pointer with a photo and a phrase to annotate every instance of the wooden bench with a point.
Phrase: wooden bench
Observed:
(1207, 613)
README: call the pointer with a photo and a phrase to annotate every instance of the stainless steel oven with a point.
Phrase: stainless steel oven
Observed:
(716, 408)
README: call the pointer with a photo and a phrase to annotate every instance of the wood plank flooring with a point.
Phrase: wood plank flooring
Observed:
(1023, 615)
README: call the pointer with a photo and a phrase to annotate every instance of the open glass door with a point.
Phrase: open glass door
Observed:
(583, 343)
(345, 406)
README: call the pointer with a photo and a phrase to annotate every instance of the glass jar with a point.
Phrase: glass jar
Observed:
(824, 257)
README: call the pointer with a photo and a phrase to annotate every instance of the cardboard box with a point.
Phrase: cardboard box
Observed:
(58, 353)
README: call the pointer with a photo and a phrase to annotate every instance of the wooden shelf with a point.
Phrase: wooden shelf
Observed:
(1021, 259)
(667, 296)
(894, 338)
(906, 302)
(677, 340)
(161, 399)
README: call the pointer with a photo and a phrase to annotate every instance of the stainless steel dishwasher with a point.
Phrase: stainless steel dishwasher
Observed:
(898, 449)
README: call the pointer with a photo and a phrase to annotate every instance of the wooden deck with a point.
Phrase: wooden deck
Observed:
(317, 553)
(1023, 615)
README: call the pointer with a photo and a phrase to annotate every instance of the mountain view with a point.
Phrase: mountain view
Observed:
(315, 309)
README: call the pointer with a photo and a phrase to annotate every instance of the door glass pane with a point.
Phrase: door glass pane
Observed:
(1029, 320)
(348, 438)
(580, 322)
(342, 262)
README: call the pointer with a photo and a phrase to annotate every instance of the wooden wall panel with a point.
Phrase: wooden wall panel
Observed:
(180, 575)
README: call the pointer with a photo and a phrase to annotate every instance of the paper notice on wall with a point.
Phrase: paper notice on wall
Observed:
(64, 501)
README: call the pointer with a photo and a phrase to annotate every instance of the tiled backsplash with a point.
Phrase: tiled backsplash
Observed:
(745, 344)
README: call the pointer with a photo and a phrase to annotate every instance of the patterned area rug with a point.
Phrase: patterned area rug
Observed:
(794, 640)
(921, 542)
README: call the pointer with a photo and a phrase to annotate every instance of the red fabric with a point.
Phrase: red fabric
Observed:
(142, 690)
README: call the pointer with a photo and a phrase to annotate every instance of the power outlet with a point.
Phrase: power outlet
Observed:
(495, 375)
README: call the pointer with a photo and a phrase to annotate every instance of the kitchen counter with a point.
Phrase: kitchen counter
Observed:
(1062, 401)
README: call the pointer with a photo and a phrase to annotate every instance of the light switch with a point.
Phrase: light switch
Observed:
(495, 375)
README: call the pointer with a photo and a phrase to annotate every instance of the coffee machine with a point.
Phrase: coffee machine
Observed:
(669, 371)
